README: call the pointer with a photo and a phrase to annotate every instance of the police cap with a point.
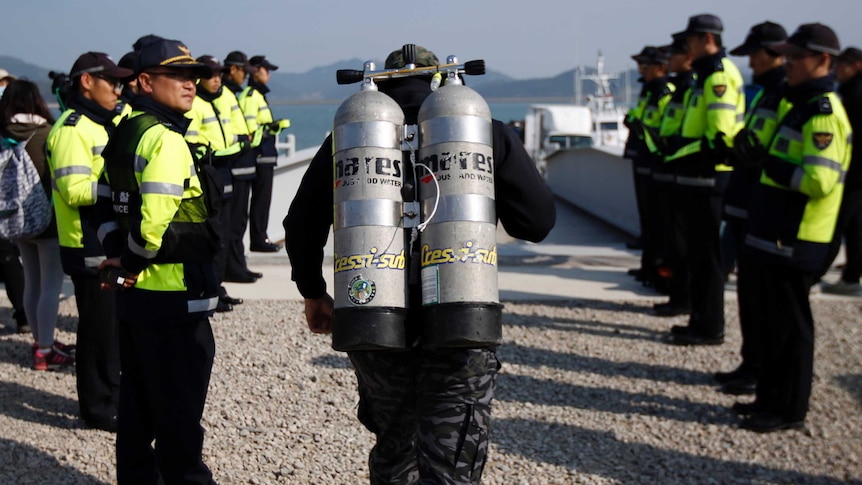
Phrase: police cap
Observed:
(98, 62)
(814, 37)
(173, 54)
(652, 55)
(211, 62)
(262, 61)
(850, 54)
(144, 40)
(702, 24)
(237, 58)
(761, 36)
(424, 58)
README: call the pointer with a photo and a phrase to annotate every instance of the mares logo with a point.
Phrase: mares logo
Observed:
(473, 161)
(370, 260)
(377, 170)
(466, 254)
(361, 291)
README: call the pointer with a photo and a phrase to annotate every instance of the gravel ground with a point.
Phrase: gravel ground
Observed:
(589, 393)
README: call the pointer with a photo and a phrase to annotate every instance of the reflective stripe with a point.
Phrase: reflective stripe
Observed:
(796, 179)
(721, 106)
(737, 212)
(192, 171)
(140, 163)
(443, 129)
(73, 169)
(767, 114)
(243, 170)
(141, 251)
(662, 177)
(695, 181)
(772, 247)
(98, 150)
(211, 119)
(106, 229)
(234, 107)
(161, 188)
(367, 212)
(103, 190)
(93, 261)
(228, 189)
(205, 305)
(462, 207)
(381, 134)
(265, 160)
(643, 170)
(822, 162)
(251, 118)
(94, 189)
(54, 184)
(192, 133)
(789, 133)
(740, 117)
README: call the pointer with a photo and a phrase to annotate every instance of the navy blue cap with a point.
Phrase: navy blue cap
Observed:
(262, 61)
(814, 37)
(173, 54)
(850, 54)
(703, 24)
(652, 55)
(98, 62)
(761, 36)
(237, 58)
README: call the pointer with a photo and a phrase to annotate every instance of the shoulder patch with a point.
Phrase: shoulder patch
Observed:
(824, 106)
(719, 90)
(72, 119)
(822, 140)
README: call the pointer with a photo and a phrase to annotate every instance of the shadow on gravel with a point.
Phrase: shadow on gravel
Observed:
(26, 464)
(513, 387)
(533, 356)
(601, 453)
(338, 361)
(36, 406)
(852, 383)
(589, 327)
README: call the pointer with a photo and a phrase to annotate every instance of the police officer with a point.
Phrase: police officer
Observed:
(713, 115)
(746, 157)
(259, 117)
(217, 123)
(168, 277)
(792, 216)
(674, 264)
(430, 409)
(81, 202)
(236, 69)
(848, 73)
(643, 122)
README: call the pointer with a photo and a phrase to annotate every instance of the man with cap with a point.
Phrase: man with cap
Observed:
(244, 171)
(713, 115)
(163, 264)
(848, 73)
(792, 216)
(429, 409)
(82, 205)
(218, 123)
(746, 157)
(259, 117)
(643, 121)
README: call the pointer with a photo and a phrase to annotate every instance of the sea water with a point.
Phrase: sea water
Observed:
(310, 123)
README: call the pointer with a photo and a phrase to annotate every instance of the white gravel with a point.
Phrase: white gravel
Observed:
(589, 393)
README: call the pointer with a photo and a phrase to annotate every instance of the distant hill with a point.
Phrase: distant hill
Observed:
(37, 74)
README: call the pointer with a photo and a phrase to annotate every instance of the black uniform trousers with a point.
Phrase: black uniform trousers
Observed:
(97, 357)
(12, 275)
(236, 263)
(787, 346)
(261, 199)
(676, 252)
(166, 372)
(223, 229)
(701, 210)
(643, 184)
(849, 228)
(746, 296)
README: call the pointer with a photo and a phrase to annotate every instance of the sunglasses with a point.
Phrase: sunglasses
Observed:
(116, 84)
(181, 75)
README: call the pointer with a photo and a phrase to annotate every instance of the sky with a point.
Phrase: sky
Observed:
(523, 39)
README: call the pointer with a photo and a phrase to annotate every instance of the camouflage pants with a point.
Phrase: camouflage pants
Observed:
(430, 411)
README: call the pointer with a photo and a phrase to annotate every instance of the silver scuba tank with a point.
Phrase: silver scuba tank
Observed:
(458, 256)
(370, 262)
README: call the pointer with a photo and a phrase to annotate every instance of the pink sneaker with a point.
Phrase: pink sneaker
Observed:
(52, 360)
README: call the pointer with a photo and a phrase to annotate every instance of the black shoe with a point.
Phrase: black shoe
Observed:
(747, 408)
(636, 272)
(767, 422)
(635, 245)
(245, 278)
(222, 307)
(255, 275)
(230, 300)
(679, 329)
(736, 374)
(671, 309)
(24, 328)
(266, 247)
(691, 338)
(740, 387)
(105, 424)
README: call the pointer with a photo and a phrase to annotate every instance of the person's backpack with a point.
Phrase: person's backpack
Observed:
(25, 210)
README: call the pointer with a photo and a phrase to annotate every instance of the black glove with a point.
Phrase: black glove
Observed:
(747, 152)
(714, 151)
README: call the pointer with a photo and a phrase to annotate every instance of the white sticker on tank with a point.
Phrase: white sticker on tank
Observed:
(430, 285)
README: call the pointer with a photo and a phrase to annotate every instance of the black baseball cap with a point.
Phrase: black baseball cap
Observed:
(761, 36)
(651, 55)
(237, 58)
(173, 54)
(144, 40)
(814, 37)
(850, 54)
(677, 46)
(98, 62)
(212, 62)
(262, 61)
(701, 24)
